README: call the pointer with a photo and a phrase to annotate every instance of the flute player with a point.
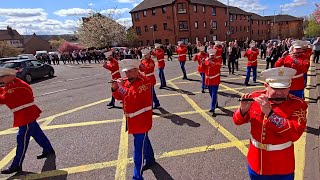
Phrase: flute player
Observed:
(275, 125)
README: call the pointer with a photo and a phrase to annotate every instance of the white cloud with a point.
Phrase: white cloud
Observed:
(73, 12)
(19, 12)
(127, 1)
(295, 3)
(127, 22)
(247, 5)
(90, 4)
(115, 11)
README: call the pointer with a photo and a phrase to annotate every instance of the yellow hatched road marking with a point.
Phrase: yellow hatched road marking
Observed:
(102, 165)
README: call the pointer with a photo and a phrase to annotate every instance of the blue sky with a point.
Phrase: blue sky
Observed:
(62, 16)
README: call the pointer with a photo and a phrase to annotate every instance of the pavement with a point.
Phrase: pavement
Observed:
(189, 143)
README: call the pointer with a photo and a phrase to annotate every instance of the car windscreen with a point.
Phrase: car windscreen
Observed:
(11, 65)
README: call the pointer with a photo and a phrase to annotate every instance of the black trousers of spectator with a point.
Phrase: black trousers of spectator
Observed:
(190, 56)
(316, 56)
(269, 62)
(263, 54)
(224, 60)
(231, 64)
(237, 64)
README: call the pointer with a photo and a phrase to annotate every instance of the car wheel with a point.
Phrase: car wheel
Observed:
(51, 73)
(28, 78)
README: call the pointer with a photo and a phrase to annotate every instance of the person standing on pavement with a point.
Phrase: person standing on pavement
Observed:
(18, 96)
(268, 55)
(275, 125)
(232, 53)
(147, 67)
(159, 54)
(190, 48)
(316, 49)
(135, 93)
(200, 58)
(224, 53)
(181, 50)
(112, 65)
(169, 52)
(238, 55)
(212, 66)
(298, 61)
(252, 55)
(263, 48)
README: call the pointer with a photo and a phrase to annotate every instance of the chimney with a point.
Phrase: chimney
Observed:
(10, 31)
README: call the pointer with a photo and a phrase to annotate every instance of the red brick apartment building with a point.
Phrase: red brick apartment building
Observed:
(169, 21)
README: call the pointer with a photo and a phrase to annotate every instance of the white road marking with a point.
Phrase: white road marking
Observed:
(54, 92)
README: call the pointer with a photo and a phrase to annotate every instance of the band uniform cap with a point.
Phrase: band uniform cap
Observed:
(180, 42)
(7, 72)
(279, 77)
(145, 51)
(212, 52)
(107, 54)
(201, 48)
(218, 43)
(298, 44)
(157, 45)
(128, 64)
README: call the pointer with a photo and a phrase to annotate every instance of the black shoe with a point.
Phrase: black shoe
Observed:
(148, 166)
(185, 78)
(46, 154)
(156, 106)
(212, 110)
(110, 104)
(161, 87)
(12, 170)
(203, 91)
(214, 114)
(247, 84)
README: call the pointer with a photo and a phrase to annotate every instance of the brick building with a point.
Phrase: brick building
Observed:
(283, 26)
(168, 21)
(12, 37)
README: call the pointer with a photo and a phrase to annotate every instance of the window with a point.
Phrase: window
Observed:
(231, 17)
(155, 28)
(140, 43)
(225, 10)
(183, 25)
(232, 30)
(148, 42)
(252, 31)
(235, 17)
(197, 39)
(244, 28)
(258, 32)
(136, 16)
(248, 29)
(36, 63)
(236, 28)
(214, 24)
(138, 30)
(164, 10)
(240, 28)
(153, 11)
(167, 41)
(287, 22)
(240, 17)
(182, 8)
(28, 64)
(195, 8)
(185, 40)
(144, 13)
(225, 24)
(205, 39)
(165, 26)
(268, 22)
(214, 11)
(244, 17)
(214, 38)
(196, 24)
(145, 28)
(204, 24)
(252, 22)
(258, 22)
(203, 8)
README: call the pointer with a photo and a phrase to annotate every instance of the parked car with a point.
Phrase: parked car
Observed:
(28, 69)
(29, 56)
(12, 58)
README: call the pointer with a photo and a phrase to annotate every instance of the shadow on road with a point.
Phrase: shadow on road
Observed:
(178, 90)
(160, 173)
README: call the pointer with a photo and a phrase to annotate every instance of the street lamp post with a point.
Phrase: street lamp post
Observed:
(152, 34)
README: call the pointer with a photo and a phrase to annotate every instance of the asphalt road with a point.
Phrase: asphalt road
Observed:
(188, 142)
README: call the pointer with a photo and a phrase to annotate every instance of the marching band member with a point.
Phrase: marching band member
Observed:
(159, 54)
(252, 55)
(200, 58)
(181, 50)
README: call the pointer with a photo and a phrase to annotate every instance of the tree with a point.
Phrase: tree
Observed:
(312, 28)
(55, 44)
(68, 47)
(7, 50)
(100, 31)
(316, 14)
(131, 38)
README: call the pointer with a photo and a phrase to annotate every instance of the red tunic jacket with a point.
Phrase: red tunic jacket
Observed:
(113, 67)
(212, 71)
(252, 57)
(147, 67)
(287, 123)
(182, 53)
(200, 57)
(159, 54)
(301, 64)
(137, 104)
(18, 96)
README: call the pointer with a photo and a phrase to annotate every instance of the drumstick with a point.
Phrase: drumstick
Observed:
(270, 99)
(115, 80)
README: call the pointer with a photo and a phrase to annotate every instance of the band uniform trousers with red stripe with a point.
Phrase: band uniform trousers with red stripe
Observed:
(113, 67)
(147, 67)
(300, 63)
(252, 64)
(18, 96)
(182, 58)
(137, 106)
(212, 69)
(159, 54)
(271, 150)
